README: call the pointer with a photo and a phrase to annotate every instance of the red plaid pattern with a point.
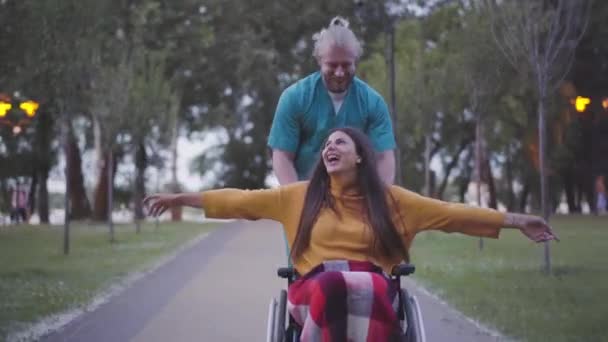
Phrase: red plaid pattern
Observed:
(345, 301)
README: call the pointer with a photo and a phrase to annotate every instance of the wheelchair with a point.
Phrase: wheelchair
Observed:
(281, 327)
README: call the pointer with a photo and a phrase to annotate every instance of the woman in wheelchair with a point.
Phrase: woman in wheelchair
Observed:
(346, 230)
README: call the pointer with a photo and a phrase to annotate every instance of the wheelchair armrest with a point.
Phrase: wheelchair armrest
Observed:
(286, 272)
(403, 270)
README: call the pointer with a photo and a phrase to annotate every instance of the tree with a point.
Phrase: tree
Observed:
(543, 35)
(150, 100)
(110, 99)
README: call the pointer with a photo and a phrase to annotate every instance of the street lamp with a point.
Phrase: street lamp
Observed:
(17, 119)
(581, 103)
(29, 107)
(5, 107)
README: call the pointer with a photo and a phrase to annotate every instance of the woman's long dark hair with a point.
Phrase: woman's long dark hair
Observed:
(318, 195)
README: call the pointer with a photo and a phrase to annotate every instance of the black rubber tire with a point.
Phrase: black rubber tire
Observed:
(271, 321)
(279, 327)
(411, 334)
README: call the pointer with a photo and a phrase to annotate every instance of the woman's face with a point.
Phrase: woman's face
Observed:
(340, 153)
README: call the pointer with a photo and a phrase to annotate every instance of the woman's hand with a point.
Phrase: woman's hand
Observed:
(157, 204)
(534, 227)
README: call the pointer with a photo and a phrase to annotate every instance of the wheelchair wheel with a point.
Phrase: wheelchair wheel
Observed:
(275, 328)
(279, 325)
(413, 318)
(271, 320)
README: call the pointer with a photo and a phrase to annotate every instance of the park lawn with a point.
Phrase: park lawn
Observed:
(503, 286)
(37, 280)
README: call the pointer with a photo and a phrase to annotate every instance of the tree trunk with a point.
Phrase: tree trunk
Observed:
(544, 186)
(569, 189)
(523, 199)
(509, 176)
(100, 203)
(66, 198)
(31, 198)
(44, 160)
(110, 192)
(176, 212)
(489, 177)
(141, 162)
(427, 164)
(449, 168)
(463, 187)
(542, 136)
(80, 207)
(478, 157)
(43, 195)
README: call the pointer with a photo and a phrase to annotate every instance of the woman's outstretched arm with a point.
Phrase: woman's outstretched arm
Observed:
(157, 204)
(423, 213)
(229, 203)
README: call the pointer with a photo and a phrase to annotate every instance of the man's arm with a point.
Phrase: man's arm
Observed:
(386, 166)
(283, 167)
(380, 131)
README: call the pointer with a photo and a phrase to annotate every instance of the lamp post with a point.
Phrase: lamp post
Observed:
(370, 12)
(390, 61)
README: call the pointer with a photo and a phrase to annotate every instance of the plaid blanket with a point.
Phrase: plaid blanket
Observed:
(345, 301)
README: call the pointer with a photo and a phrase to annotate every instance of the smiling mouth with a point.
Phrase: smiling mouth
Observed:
(332, 159)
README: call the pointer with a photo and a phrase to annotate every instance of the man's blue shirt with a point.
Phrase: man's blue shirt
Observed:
(305, 115)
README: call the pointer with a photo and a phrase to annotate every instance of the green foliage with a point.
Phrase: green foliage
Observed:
(137, 67)
(256, 49)
(449, 70)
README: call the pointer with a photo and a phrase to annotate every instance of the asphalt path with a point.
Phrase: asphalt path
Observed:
(219, 290)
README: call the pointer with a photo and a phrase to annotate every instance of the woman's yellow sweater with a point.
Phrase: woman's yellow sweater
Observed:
(346, 236)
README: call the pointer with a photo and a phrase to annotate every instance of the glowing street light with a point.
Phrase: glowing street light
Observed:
(605, 103)
(581, 103)
(29, 107)
(4, 108)
(17, 121)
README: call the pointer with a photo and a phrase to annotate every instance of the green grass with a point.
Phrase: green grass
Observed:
(504, 287)
(37, 280)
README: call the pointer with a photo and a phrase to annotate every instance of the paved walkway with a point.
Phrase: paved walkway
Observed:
(219, 290)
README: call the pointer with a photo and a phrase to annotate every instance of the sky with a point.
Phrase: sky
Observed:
(188, 149)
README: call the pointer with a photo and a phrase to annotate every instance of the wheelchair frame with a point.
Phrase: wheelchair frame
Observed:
(278, 331)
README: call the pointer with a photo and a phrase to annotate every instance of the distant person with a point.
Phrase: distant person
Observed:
(329, 98)
(599, 162)
(600, 190)
(18, 205)
(347, 229)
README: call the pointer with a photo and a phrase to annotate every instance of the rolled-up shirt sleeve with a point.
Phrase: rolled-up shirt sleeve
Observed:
(380, 129)
(285, 130)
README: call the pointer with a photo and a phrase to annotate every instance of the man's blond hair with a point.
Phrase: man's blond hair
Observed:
(336, 34)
